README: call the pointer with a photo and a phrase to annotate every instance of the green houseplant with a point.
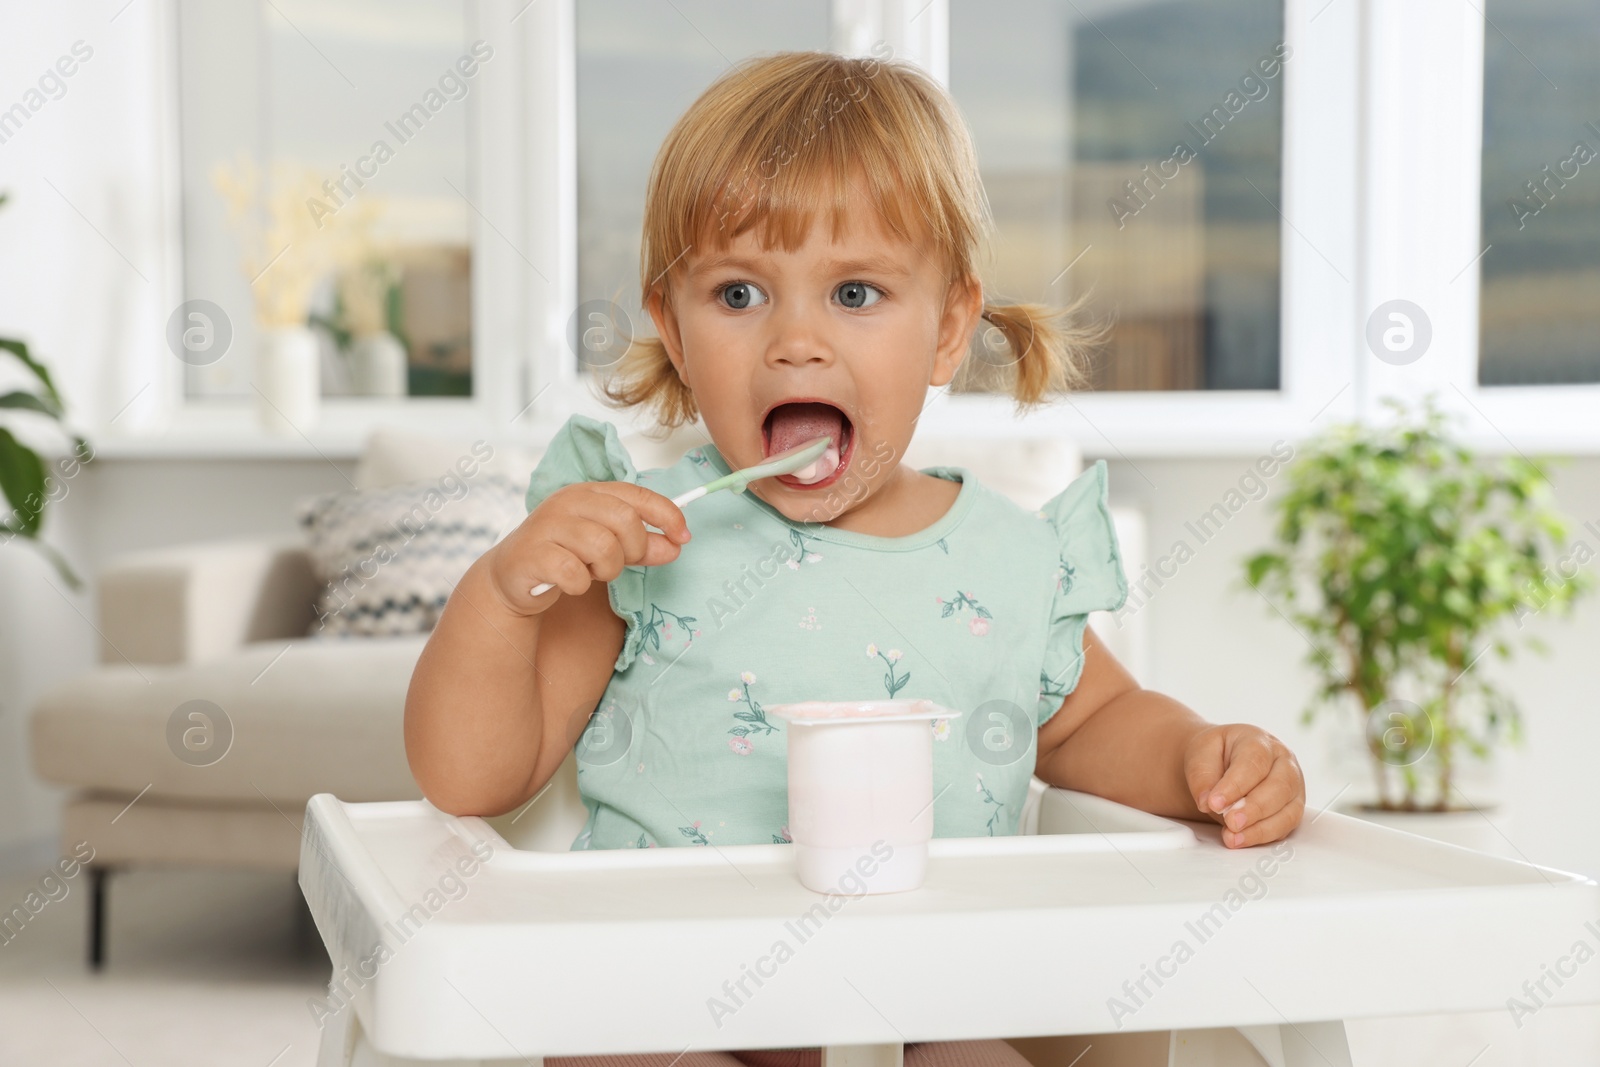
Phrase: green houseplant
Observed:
(24, 483)
(1403, 559)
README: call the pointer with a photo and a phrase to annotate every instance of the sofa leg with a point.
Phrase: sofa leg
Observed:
(97, 915)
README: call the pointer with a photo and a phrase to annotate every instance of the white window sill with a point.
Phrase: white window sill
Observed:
(230, 430)
(1112, 426)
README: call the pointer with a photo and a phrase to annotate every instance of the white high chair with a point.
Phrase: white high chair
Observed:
(1072, 927)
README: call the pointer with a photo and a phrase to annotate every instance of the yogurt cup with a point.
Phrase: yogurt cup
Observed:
(861, 792)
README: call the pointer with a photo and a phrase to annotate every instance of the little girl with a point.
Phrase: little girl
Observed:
(810, 231)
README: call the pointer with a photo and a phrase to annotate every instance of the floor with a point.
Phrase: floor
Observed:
(190, 981)
(186, 982)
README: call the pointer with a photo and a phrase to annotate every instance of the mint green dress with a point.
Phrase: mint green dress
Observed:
(983, 612)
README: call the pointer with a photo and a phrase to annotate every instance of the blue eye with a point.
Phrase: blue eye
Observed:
(854, 294)
(741, 295)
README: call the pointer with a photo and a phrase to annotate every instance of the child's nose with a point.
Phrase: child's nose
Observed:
(800, 342)
(801, 355)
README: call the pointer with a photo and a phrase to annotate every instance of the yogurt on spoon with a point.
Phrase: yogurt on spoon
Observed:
(794, 423)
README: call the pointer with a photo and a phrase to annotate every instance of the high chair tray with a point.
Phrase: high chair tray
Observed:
(1109, 919)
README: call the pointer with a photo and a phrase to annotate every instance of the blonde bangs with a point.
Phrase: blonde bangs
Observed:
(778, 141)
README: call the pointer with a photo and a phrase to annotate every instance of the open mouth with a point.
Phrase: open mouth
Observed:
(794, 422)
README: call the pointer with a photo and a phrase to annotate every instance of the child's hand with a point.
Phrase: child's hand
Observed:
(1247, 780)
(582, 533)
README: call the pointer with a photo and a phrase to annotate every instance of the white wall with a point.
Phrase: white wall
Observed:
(81, 261)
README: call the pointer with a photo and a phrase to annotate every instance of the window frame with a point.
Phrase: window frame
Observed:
(518, 210)
(1424, 233)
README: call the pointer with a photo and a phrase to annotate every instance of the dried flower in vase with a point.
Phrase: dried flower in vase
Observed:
(285, 250)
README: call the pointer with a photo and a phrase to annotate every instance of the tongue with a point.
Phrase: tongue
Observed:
(795, 424)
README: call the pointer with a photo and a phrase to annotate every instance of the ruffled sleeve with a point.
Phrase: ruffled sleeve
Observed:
(1088, 577)
(588, 450)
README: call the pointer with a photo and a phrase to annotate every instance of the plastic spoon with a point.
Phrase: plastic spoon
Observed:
(785, 462)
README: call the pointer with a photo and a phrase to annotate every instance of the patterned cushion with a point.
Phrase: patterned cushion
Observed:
(389, 558)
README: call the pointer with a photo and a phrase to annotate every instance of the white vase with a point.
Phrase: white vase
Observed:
(288, 380)
(378, 365)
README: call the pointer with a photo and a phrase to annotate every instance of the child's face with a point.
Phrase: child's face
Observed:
(866, 325)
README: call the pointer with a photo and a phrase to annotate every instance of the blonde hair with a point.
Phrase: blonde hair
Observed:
(775, 139)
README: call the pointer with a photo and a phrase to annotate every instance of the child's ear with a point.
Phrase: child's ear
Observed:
(666, 321)
(963, 307)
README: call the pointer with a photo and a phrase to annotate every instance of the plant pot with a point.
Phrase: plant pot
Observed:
(288, 380)
(1487, 828)
(378, 365)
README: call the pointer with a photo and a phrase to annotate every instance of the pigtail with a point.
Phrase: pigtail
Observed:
(1047, 347)
(645, 375)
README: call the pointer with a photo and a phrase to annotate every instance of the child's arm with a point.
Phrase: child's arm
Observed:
(507, 681)
(1144, 749)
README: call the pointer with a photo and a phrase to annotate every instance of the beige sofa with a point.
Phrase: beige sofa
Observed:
(226, 623)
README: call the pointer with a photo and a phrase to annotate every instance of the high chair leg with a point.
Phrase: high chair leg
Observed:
(339, 1033)
(890, 1055)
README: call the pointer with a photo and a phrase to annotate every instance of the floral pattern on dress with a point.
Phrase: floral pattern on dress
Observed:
(942, 545)
(977, 622)
(989, 798)
(810, 621)
(782, 836)
(659, 625)
(890, 681)
(693, 833)
(1064, 574)
(941, 729)
(802, 550)
(698, 456)
(753, 719)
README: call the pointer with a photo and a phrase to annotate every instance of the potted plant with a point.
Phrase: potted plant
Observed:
(1404, 560)
(26, 487)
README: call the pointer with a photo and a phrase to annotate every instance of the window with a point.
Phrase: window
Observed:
(639, 67)
(1414, 152)
(1539, 311)
(1134, 154)
(1238, 318)
(354, 120)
